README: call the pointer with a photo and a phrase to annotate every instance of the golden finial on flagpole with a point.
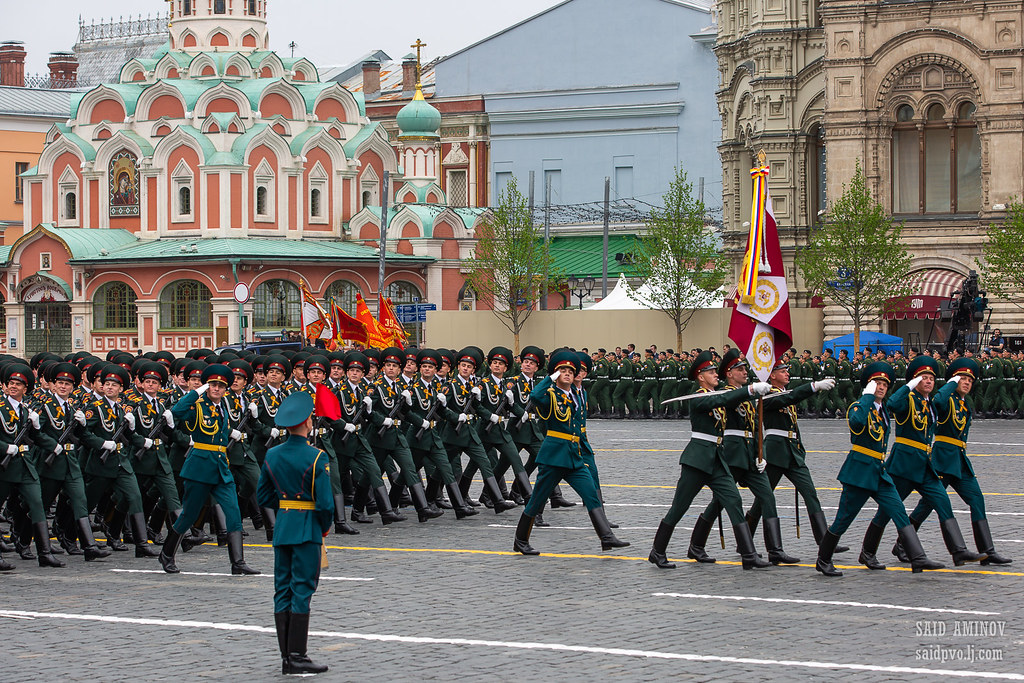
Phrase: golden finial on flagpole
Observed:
(762, 158)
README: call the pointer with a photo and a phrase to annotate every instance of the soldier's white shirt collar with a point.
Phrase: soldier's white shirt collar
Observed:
(407, 378)
(497, 380)
(14, 404)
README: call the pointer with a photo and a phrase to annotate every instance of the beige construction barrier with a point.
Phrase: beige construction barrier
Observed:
(602, 329)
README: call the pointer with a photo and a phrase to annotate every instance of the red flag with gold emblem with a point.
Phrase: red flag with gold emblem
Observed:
(345, 326)
(389, 322)
(375, 336)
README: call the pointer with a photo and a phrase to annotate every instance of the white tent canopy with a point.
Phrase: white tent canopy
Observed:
(620, 299)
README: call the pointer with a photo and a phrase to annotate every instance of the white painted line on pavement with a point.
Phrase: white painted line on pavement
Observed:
(512, 645)
(161, 571)
(581, 528)
(744, 598)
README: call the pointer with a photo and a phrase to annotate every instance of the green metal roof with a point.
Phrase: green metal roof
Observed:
(581, 255)
(5, 254)
(83, 242)
(259, 248)
(365, 132)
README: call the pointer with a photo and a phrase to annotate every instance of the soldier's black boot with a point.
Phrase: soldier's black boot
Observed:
(269, 520)
(221, 521)
(658, 550)
(341, 525)
(522, 481)
(955, 543)
(85, 537)
(43, 551)
(22, 540)
(359, 504)
(433, 489)
(464, 484)
(168, 551)
(281, 625)
(745, 543)
(66, 542)
(142, 546)
(558, 500)
(604, 532)
(5, 566)
(256, 513)
(919, 562)
(522, 542)
(458, 504)
(156, 525)
(113, 531)
(773, 542)
(699, 539)
(897, 548)
(983, 539)
(419, 501)
(500, 503)
(826, 547)
(298, 633)
(868, 550)
(387, 515)
(818, 528)
(396, 494)
(505, 493)
(238, 565)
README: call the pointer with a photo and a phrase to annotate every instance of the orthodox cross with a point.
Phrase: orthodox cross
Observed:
(418, 45)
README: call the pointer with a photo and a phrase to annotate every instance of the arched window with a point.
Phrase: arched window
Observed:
(186, 304)
(406, 293)
(261, 201)
(936, 160)
(185, 201)
(367, 198)
(314, 203)
(251, 8)
(113, 307)
(218, 7)
(277, 304)
(71, 206)
(186, 7)
(816, 174)
(344, 293)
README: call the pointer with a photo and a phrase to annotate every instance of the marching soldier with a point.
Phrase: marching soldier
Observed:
(494, 409)
(242, 414)
(649, 387)
(296, 482)
(602, 387)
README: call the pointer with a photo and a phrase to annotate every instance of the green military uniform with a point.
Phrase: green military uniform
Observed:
(623, 398)
(829, 404)
(601, 391)
(296, 482)
(153, 467)
(845, 387)
(648, 371)
(808, 373)
(684, 387)
(667, 371)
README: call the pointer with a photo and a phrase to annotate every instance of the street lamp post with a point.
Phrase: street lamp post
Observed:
(581, 287)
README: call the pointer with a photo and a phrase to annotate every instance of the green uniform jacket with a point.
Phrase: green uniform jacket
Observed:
(492, 395)
(385, 395)
(708, 416)
(869, 431)
(53, 421)
(786, 452)
(207, 425)
(267, 401)
(351, 403)
(237, 406)
(953, 421)
(738, 450)
(423, 400)
(531, 430)
(915, 422)
(296, 472)
(563, 421)
(155, 460)
(102, 421)
(460, 400)
(22, 466)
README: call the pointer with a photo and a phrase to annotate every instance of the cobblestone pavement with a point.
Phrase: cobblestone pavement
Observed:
(448, 599)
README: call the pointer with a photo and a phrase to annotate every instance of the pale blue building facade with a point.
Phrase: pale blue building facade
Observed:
(590, 89)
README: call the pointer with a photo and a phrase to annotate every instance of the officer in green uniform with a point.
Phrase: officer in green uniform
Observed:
(684, 387)
(1018, 371)
(899, 366)
(830, 405)
(560, 456)
(494, 408)
(1007, 406)
(864, 475)
(703, 463)
(296, 482)
(808, 373)
(949, 455)
(206, 472)
(667, 369)
(17, 464)
(601, 392)
(910, 466)
(648, 371)
(243, 413)
(623, 399)
(844, 381)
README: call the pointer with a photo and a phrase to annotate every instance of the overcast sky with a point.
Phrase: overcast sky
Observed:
(326, 31)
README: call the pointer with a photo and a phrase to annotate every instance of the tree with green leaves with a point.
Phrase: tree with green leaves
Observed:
(511, 263)
(679, 257)
(857, 259)
(1002, 269)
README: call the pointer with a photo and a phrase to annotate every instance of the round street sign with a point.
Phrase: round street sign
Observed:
(241, 292)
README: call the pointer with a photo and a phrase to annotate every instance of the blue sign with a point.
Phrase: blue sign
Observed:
(413, 313)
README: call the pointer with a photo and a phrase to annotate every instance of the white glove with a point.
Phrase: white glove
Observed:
(147, 444)
(202, 390)
(80, 417)
(912, 384)
(495, 418)
(761, 465)
(130, 419)
(426, 424)
(759, 389)
(462, 417)
(823, 385)
(870, 388)
(236, 435)
(109, 445)
(59, 449)
(442, 398)
(388, 422)
(349, 427)
(274, 432)
(476, 392)
(368, 402)
(33, 417)
(407, 395)
(169, 418)
(254, 410)
(12, 449)
(509, 395)
(556, 375)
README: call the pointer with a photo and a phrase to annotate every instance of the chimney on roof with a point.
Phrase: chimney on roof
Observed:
(371, 77)
(63, 68)
(12, 63)
(409, 73)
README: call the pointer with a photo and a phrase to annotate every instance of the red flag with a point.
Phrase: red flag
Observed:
(762, 328)
(345, 326)
(375, 336)
(326, 403)
(389, 322)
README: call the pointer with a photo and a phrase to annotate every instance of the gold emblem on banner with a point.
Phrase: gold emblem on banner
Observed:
(766, 299)
(763, 351)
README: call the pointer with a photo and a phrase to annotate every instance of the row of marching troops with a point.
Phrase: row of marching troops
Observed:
(625, 384)
(733, 442)
(124, 438)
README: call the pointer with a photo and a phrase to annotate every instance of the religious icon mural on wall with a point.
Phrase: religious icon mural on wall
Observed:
(124, 184)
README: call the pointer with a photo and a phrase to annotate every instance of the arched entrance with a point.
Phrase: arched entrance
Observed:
(47, 314)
